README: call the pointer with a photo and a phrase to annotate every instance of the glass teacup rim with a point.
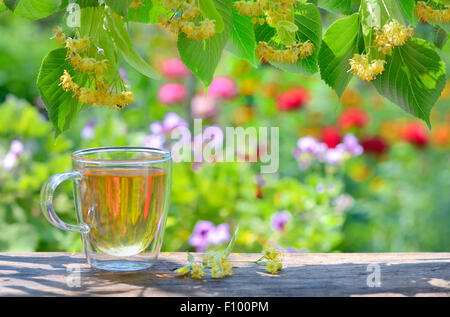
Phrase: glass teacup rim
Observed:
(158, 155)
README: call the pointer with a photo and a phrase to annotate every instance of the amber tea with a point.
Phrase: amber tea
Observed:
(122, 206)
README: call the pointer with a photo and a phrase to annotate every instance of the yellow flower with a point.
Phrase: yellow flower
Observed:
(273, 267)
(391, 35)
(271, 254)
(197, 271)
(427, 14)
(59, 35)
(360, 66)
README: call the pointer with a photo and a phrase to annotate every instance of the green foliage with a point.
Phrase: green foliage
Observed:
(413, 79)
(339, 44)
(202, 57)
(345, 37)
(62, 107)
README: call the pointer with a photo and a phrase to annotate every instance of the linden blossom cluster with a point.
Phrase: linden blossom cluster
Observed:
(291, 54)
(219, 265)
(186, 14)
(102, 94)
(389, 36)
(428, 14)
(365, 69)
(216, 262)
(273, 12)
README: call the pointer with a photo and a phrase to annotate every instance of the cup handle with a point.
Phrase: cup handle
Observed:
(47, 202)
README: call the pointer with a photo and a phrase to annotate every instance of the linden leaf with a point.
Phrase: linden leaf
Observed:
(338, 46)
(203, 56)
(413, 79)
(61, 106)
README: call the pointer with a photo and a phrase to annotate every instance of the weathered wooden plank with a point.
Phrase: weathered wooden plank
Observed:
(306, 274)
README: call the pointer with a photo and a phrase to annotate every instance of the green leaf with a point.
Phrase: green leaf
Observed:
(309, 23)
(203, 56)
(232, 241)
(142, 14)
(209, 11)
(61, 106)
(119, 7)
(116, 29)
(336, 6)
(413, 79)
(338, 46)
(407, 7)
(243, 38)
(11, 4)
(36, 9)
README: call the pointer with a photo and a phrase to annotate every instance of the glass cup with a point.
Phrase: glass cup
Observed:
(121, 202)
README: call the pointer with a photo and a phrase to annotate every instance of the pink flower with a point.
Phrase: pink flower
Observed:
(154, 141)
(172, 93)
(173, 68)
(203, 106)
(205, 233)
(222, 87)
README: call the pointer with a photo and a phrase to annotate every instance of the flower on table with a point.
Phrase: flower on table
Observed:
(197, 271)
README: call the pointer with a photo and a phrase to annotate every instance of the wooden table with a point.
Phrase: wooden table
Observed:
(305, 274)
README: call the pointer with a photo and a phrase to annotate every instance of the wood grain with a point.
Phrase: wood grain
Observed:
(306, 274)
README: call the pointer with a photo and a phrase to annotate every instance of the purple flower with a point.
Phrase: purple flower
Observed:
(205, 234)
(154, 141)
(15, 150)
(309, 149)
(169, 123)
(88, 130)
(351, 145)
(334, 156)
(280, 219)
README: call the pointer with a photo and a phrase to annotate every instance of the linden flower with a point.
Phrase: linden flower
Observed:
(197, 271)
(185, 20)
(290, 55)
(427, 14)
(364, 69)
(250, 8)
(391, 35)
(59, 35)
(66, 82)
(273, 267)
(271, 254)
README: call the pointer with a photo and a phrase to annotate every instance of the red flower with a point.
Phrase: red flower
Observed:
(331, 136)
(375, 145)
(353, 118)
(416, 133)
(292, 99)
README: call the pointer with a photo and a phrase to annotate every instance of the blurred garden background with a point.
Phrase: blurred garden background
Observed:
(392, 193)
